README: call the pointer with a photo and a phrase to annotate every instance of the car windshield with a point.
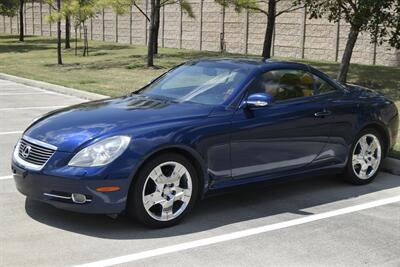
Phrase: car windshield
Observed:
(208, 83)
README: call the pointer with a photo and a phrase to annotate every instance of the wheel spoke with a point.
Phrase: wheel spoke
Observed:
(177, 173)
(182, 194)
(166, 212)
(374, 163)
(373, 146)
(364, 169)
(153, 199)
(363, 143)
(160, 178)
(358, 159)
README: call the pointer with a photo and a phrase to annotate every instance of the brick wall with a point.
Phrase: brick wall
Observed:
(295, 36)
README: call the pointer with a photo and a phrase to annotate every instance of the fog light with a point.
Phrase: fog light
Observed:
(78, 198)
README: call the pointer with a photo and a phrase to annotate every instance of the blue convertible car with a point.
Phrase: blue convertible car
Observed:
(203, 126)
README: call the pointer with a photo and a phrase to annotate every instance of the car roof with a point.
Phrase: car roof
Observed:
(251, 62)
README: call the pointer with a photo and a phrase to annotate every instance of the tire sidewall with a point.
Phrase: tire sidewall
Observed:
(135, 202)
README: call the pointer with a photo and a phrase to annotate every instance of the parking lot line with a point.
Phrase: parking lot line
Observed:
(33, 93)
(12, 132)
(239, 234)
(19, 108)
(6, 177)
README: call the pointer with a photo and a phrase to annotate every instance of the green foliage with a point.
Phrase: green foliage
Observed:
(9, 7)
(239, 5)
(81, 10)
(381, 18)
(261, 6)
(119, 6)
(186, 7)
(78, 10)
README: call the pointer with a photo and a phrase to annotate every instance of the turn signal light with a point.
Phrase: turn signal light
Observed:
(108, 188)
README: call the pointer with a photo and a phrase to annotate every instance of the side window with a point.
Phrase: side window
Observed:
(321, 86)
(287, 84)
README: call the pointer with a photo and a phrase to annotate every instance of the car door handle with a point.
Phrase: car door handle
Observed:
(322, 114)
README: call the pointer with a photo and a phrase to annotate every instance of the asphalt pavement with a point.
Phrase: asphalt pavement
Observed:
(319, 221)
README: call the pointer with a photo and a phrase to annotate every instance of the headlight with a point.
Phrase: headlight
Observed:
(101, 153)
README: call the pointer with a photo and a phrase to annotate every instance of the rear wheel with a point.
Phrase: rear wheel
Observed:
(365, 157)
(164, 191)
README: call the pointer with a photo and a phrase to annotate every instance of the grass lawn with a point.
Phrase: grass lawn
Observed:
(116, 69)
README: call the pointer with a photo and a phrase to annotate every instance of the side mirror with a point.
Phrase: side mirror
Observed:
(258, 100)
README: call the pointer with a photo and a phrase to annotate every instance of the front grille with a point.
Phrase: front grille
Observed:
(37, 154)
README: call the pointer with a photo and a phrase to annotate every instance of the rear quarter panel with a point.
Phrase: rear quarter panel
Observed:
(375, 109)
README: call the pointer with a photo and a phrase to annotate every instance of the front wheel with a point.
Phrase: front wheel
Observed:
(164, 191)
(365, 157)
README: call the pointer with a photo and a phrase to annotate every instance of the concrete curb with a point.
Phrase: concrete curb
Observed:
(391, 165)
(53, 87)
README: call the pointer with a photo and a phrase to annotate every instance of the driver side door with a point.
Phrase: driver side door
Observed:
(283, 136)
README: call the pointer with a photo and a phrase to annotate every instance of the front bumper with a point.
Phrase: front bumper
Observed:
(42, 187)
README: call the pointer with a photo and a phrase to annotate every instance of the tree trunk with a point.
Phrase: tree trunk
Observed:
(76, 40)
(85, 41)
(348, 51)
(154, 5)
(59, 59)
(157, 23)
(269, 30)
(67, 32)
(21, 20)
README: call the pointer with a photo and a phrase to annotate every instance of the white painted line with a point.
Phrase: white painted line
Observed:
(14, 132)
(49, 107)
(6, 177)
(35, 93)
(239, 234)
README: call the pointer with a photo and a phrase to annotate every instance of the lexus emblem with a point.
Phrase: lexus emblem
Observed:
(27, 150)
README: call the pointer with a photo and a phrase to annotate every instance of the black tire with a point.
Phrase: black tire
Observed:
(136, 208)
(350, 174)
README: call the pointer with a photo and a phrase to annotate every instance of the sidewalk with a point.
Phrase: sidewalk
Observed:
(53, 87)
(391, 165)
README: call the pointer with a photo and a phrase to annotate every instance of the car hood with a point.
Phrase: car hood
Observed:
(70, 127)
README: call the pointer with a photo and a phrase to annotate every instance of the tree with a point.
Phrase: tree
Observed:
(59, 59)
(155, 7)
(56, 17)
(21, 20)
(67, 32)
(381, 18)
(123, 6)
(10, 8)
(271, 11)
(154, 18)
(77, 12)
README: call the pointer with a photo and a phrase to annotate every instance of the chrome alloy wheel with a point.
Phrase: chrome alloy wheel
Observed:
(367, 155)
(167, 191)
